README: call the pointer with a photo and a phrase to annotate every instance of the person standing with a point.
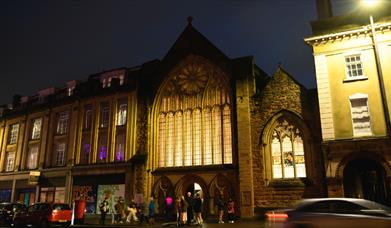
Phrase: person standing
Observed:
(151, 211)
(178, 210)
(220, 207)
(231, 210)
(183, 210)
(190, 202)
(198, 201)
(104, 208)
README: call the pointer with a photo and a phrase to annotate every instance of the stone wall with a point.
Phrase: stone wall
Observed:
(283, 93)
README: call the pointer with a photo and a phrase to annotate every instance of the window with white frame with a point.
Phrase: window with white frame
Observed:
(88, 117)
(36, 132)
(354, 68)
(360, 115)
(32, 158)
(287, 151)
(62, 123)
(104, 114)
(13, 133)
(10, 161)
(59, 156)
(121, 114)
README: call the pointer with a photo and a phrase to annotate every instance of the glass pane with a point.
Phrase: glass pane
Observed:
(188, 139)
(227, 135)
(170, 141)
(288, 158)
(197, 136)
(178, 134)
(217, 159)
(207, 137)
(162, 140)
(276, 158)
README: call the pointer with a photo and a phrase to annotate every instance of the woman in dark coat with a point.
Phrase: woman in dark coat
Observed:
(198, 209)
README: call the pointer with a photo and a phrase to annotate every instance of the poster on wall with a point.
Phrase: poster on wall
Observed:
(112, 193)
(87, 193)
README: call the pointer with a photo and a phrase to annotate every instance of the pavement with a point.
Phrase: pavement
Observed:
(93, 221)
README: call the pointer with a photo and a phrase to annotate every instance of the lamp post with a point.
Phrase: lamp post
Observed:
(372, 3)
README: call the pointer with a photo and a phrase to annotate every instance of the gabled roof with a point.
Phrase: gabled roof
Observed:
(281, 73)
(191, 41)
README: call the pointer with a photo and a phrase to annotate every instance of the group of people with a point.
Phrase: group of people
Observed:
(128, 213)
(222, 206)
(189, 209)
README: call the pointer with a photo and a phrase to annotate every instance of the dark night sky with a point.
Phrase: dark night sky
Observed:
(46, 43)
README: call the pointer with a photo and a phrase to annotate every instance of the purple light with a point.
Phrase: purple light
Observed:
(119, 156)
(102, 153)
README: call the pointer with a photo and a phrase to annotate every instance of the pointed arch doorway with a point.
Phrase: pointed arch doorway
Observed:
(365, 178)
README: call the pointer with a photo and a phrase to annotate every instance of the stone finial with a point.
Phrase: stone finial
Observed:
(190, 19)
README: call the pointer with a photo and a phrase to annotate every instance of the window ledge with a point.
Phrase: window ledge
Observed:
(357, 78)
(287, 183)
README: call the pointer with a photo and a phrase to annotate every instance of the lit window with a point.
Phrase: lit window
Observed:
(32, 157)
(122, 110)
(287, 151)
(227, 135)
(162, 139)
(9, 161)
(360, 115)
(170, 138)
(354, 67)
(194, 120)
(85, 153)
(217, 152)
(207, 137)
(59, 158)
(13, 133)
(62, 123)
(197, 137)
(36, 133)
(104, 114)
(178, 134)
(102, 148)
(120, 147)
(188, 154)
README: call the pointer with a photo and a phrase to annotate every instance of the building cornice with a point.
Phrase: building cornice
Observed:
(331, 37)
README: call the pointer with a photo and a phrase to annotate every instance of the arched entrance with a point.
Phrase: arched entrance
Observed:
(365, 178)
(193, 184)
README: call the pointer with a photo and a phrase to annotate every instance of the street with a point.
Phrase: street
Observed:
(242, 224)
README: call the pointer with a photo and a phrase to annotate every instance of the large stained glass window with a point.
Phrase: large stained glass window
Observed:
(287, 151)
(194, 117)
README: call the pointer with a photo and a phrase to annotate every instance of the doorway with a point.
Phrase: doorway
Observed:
(365, 178)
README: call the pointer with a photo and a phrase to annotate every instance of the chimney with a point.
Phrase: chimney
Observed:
(323, 8)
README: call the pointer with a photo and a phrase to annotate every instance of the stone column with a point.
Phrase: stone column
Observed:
(244, 148)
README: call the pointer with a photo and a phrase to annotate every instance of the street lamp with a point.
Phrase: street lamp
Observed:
(372, 4)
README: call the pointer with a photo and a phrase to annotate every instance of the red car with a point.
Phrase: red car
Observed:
(45, 215)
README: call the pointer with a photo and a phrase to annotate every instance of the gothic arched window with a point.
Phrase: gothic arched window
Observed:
(287, 151)
(194, 116)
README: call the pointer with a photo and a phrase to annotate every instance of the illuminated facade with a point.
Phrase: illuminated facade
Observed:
(354, 108)
(194, 121)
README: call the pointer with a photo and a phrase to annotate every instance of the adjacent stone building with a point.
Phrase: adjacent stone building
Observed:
(195, 121)
(352, 57)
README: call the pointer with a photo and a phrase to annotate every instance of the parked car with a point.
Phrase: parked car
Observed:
(332, 212)
(45, 215)
(8, 212)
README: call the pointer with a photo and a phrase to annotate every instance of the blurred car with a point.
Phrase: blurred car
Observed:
(8, 212)
(44, 215)
(331, 212)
